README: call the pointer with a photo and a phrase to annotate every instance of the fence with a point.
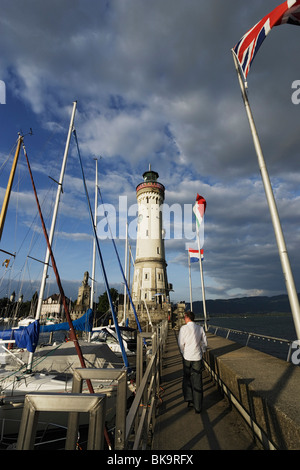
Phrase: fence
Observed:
(250, 335)
(140, 419)
(132, 431)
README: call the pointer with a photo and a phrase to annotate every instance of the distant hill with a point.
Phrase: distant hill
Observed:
(244, 305)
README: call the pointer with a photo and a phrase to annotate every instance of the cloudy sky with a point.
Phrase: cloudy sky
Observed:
(154, 83)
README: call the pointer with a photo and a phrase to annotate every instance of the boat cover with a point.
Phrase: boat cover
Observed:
(63, 357)
(84, 323)
(27, 336)
(24, 337)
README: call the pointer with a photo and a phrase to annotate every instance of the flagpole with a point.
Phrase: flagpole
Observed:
(190, 281)
(202, 280)
(287, 272)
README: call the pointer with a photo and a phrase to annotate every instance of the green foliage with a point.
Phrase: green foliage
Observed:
(8, 308)
(103, 303)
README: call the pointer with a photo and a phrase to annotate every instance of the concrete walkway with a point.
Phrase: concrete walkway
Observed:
(218, 427)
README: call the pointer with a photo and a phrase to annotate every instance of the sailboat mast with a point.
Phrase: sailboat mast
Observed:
(94, 239)
(54, 217)
(9, 185)
(125, 270)
(190, 282)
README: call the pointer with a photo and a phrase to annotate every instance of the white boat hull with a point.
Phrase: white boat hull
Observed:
(53, 373)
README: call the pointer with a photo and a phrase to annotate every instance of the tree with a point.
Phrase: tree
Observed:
(103, 303)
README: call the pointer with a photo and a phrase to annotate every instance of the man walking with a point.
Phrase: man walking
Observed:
(192, 343)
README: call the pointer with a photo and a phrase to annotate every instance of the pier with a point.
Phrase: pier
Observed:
(218, 427)
(250, 402)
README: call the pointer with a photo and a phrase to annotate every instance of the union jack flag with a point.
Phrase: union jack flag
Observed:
(247, 47)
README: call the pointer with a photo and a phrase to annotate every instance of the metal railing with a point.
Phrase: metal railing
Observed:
(250, 335)
(8, 440)
(140, 421)
(132, 431)
(94, 404)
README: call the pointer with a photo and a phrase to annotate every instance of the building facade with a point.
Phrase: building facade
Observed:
(52, 308)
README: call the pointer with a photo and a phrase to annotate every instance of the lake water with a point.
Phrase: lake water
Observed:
(277, 326)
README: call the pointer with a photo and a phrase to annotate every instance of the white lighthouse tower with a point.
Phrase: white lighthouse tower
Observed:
(150, 288)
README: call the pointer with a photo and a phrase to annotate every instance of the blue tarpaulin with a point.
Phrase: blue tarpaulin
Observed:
(84, 323)
(26, 337)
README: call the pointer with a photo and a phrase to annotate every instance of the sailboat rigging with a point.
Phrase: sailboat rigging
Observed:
(72, 331)
(24, 332)
(102, 263)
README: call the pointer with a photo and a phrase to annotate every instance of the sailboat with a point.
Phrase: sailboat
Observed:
(107, 334)
(50, 368)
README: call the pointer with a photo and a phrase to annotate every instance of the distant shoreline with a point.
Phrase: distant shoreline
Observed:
(241, 306)
(242, 315)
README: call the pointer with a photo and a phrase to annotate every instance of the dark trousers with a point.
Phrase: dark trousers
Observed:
(192, 383)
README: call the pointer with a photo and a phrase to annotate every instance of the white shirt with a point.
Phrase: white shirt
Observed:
(192, 341)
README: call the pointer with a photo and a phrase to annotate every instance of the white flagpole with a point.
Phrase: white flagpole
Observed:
(202, 280)
(190, 281)
(286, 268)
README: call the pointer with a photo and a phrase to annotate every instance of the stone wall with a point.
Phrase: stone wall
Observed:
(157, 313)
(268, 388)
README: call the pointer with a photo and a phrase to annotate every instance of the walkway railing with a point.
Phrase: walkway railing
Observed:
(249, 335)
(140, 419)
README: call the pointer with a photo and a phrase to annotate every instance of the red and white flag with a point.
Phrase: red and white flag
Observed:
(199, 208)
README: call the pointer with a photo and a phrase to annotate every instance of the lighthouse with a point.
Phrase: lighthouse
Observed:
(150, 288)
